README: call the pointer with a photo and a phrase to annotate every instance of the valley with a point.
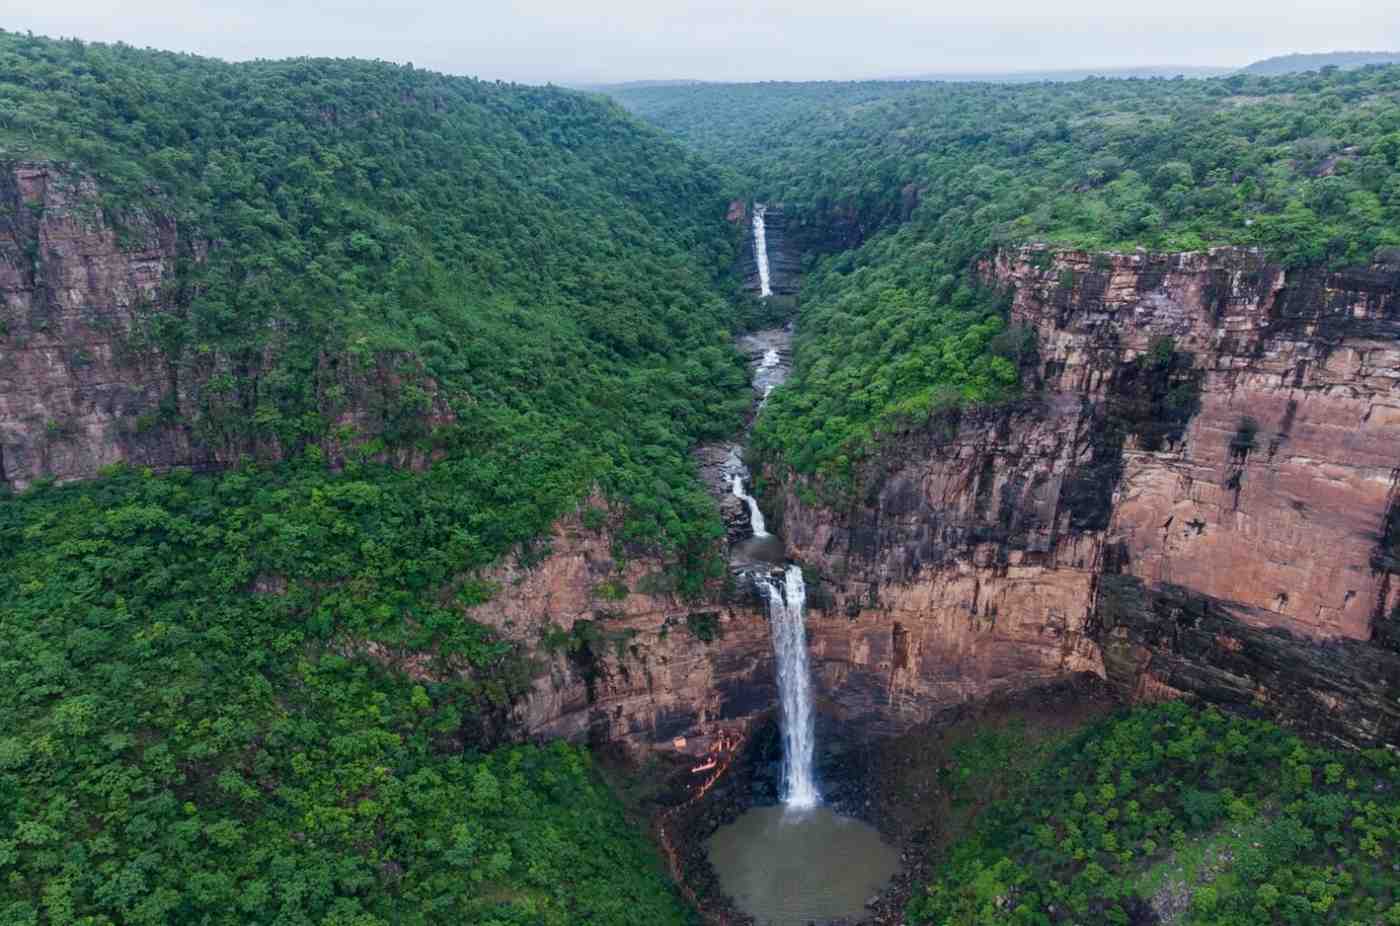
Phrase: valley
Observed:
(429, 499)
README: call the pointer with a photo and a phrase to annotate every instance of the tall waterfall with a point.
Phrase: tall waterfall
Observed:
(760, 250)
(760, 527)
(787, 607)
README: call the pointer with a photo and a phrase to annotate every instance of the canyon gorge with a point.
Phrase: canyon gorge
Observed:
(1240, 554)
(429, 498)
(1194, 496)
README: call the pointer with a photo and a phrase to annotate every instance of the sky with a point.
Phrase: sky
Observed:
(595, 41)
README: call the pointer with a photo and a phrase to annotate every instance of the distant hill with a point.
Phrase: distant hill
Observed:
(1295, 64)
(594, 87)
(1072, 74)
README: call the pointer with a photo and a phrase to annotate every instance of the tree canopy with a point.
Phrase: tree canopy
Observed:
(929, 177)
(200, 725)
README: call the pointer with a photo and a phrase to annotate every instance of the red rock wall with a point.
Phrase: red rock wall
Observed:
(1288, 526)
(78, 390)
(1075, 531)
(82, 384)
(647, 677)
(961, 579)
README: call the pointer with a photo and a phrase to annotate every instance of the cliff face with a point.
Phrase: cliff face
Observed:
(83, 380)
(1198, 500)
(959, 579)
(78, 390)
(618, 658)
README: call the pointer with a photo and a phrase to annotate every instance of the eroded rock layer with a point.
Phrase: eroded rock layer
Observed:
(619, 657)
(1197, 499)
(78, 390)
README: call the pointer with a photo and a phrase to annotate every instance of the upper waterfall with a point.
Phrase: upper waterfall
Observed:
(760, 250)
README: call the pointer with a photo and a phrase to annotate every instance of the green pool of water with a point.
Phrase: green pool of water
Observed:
(792, 867)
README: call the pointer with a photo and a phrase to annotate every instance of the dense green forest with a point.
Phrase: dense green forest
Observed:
(1191, 816)
(200, 725)
(531, 257)
(933, 176)
(189, 736)
(193, 729)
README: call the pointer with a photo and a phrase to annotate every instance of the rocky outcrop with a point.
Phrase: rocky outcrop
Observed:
(618, 657)
(79, 386)
(1196, 498)
(962, 577)
(85, 380)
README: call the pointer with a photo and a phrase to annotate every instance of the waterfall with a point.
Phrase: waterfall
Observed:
(760, 250)
(787, 616)
(760, 528)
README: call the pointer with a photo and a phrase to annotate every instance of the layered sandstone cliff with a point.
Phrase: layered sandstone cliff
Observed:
(618, 656)
(79, 388)
(85, 380)
(1194, 499)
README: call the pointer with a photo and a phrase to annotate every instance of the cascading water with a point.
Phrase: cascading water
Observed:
(787, 599)
(787, 606)
(763, 375)
(800, 861)
(760, 250)
(760, 528)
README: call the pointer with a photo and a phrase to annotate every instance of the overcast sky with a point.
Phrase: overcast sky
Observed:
(610, 40)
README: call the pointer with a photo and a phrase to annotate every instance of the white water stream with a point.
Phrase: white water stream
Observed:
(760, 250)
(787, 607)
(760, 529)
(785, 593)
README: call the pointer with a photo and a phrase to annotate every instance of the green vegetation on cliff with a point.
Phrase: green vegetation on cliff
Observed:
(194, 731)
(1170, 814)
(201, 719)
(924, 179)
(525, 277)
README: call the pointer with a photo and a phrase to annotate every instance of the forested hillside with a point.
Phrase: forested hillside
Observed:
(1169, 815)
(934, 176)
(1293, 64)
(193, 728)
(538, 263)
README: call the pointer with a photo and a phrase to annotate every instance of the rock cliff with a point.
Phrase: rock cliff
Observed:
(1197, 498)
(84, 378)
(618, 657)
(79, 389)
